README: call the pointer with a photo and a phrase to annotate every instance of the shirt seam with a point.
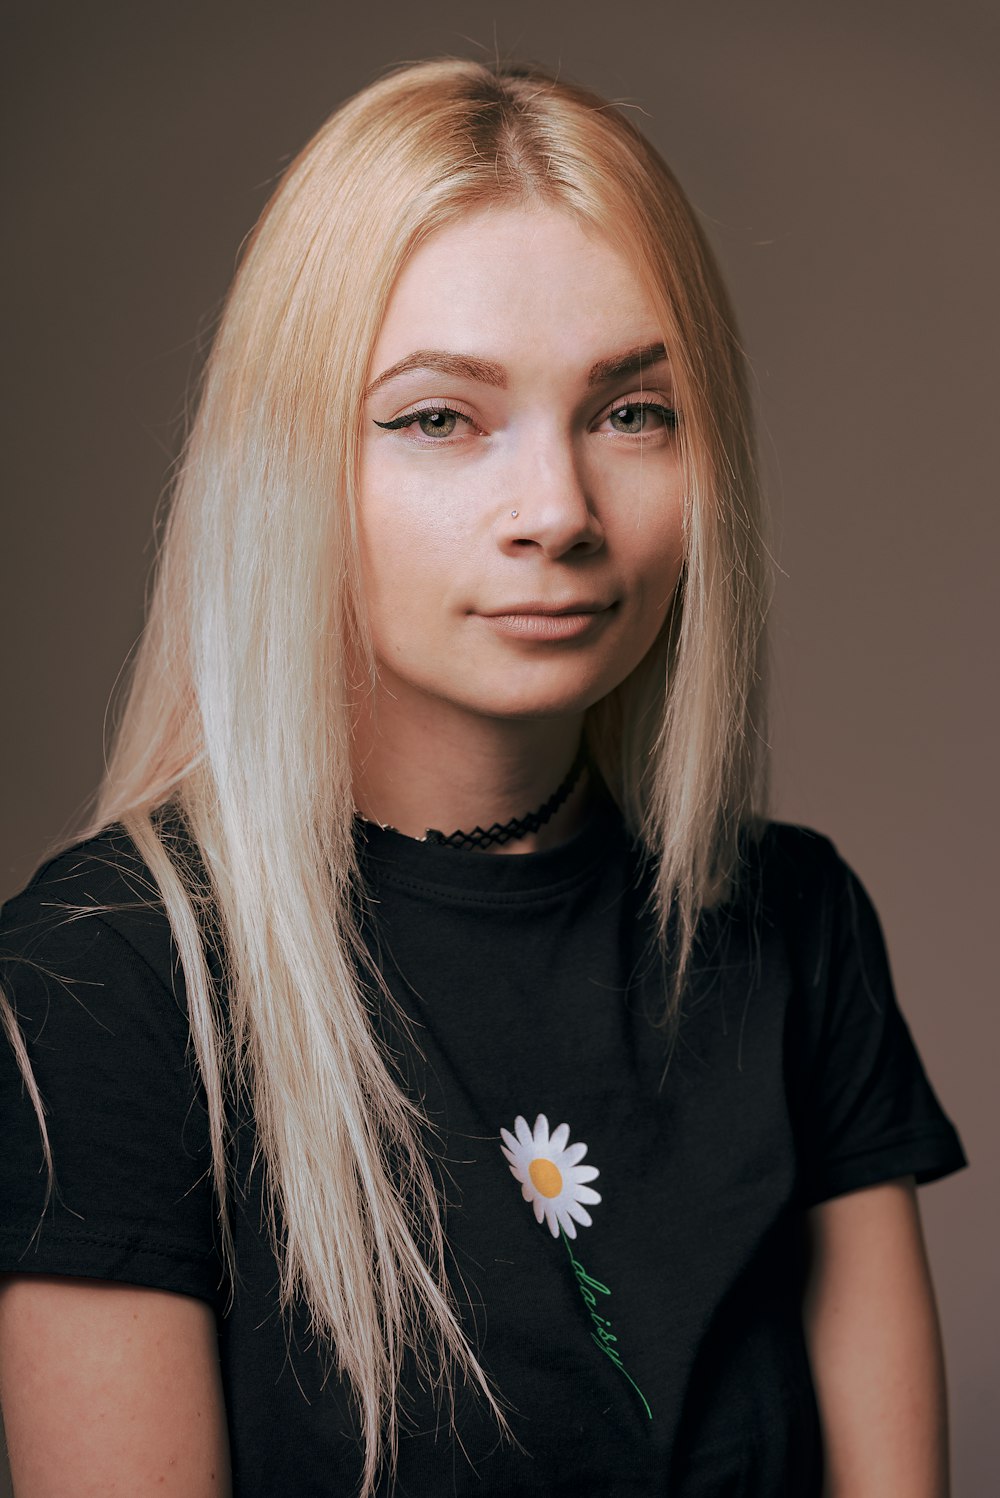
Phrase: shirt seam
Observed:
(102, 918)
(932, 1130)
(59, 1237)
(487, 898)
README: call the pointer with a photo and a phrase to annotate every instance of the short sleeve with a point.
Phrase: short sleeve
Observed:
(107, 1040)
(867, 1112)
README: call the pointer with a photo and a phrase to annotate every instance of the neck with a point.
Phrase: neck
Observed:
(451, 776)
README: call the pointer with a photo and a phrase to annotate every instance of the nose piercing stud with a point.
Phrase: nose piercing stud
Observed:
(513, 514)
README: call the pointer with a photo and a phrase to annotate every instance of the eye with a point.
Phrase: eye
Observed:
(637, 418)
(435, 422)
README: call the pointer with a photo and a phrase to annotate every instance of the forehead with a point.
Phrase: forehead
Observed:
(515, 284)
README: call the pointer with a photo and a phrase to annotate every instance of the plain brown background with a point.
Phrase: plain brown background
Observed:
(840, 155)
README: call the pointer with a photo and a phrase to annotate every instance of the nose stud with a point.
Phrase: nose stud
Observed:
(513, 514)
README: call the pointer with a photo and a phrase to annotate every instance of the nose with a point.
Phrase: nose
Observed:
(549, 505)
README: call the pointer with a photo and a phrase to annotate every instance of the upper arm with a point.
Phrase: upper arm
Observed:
(875, 1346)
(110, 1388)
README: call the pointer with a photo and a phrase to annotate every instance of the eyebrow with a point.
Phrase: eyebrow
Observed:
(634, 361)
(486, 372)
(463, 365)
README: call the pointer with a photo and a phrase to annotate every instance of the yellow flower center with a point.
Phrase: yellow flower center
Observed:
(545, 1177)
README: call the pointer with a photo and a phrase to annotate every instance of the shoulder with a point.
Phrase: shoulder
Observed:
(798, 904)
(94, 903)
(789, 873)
(775, 856)
(796, 874)
(106, 867)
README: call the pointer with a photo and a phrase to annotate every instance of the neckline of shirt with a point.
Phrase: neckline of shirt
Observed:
(392, 857)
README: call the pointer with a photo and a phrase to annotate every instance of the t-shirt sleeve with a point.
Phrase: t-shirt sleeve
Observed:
(107, 1040)
(867, 1112)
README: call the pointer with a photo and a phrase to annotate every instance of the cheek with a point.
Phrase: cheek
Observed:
(389, 531)
(659, 559)
(409, 556)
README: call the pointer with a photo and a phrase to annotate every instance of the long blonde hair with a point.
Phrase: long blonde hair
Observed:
(238, 713)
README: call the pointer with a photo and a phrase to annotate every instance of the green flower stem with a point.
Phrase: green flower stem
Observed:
(602, 1335)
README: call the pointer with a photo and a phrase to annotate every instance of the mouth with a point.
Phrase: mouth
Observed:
(543, 621)
(548, 610)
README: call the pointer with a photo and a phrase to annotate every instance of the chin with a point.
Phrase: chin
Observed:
(533, 705)
(511, 693)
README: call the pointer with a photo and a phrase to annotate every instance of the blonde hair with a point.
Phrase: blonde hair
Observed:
(238, 713)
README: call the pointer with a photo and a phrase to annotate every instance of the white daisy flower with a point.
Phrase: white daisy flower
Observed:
(551, 1176)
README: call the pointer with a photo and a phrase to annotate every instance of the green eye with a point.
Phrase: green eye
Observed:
(636, 417)
(436, 421)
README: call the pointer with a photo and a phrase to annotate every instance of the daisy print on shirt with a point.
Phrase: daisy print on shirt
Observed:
(555, 1183)
(551, 1176)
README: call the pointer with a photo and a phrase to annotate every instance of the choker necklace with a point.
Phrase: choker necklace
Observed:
(517, 827)
(503, 832)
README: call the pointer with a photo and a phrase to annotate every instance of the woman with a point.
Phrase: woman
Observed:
(430, 873)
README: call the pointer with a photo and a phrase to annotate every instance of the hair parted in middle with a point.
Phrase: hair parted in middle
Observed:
(240, 707)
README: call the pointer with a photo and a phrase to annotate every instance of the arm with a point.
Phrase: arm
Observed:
(875, 1346)
(110, 1388)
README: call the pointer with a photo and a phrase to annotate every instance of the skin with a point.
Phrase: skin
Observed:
(875, 1346)
(475, 720)
(111, 1388)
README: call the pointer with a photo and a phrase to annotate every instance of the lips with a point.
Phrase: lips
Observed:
(552, 610)
(541, 622)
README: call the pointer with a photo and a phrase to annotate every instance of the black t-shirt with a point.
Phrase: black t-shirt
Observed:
(625, 1235)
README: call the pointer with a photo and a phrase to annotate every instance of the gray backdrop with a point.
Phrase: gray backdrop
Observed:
(839, 156)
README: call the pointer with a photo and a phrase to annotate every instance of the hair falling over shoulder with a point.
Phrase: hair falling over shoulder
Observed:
(238, 714)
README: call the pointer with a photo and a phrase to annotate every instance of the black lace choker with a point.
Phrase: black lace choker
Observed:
(509, 832)
(517, 827)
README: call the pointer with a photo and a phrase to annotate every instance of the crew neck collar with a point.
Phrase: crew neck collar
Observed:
(387, 854)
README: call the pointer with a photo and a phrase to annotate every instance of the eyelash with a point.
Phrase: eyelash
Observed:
(400, 423)
(412, 417)
(668, 413)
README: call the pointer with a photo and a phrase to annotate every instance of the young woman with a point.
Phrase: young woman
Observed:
(432, 1074)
